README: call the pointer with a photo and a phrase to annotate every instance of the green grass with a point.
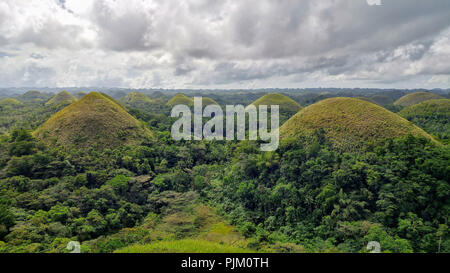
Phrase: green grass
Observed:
(63, 97)
(415, 98)
(95, 120)
(349, 123)
(183, 246)
(286, 104)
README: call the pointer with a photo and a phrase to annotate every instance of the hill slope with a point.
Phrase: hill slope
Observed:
(286, 104)
(182, 99)
(95, 120)
(349, 123)
(10, 102)
(415, 98)
(61, 98)
(136, 99)
(432, 115)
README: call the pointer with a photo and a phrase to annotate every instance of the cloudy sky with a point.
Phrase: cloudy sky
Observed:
(225, 43)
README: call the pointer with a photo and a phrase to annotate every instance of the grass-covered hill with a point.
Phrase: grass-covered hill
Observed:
(432, 115)
(349, 123)
(182, 99)
(136, 99)
(415, 98)
(95, 120)
(63, 97)
(34, 96)
(10, 102)
(286, 104)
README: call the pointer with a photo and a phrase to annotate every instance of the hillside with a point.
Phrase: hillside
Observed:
(349, 122)
(95, 120)
(10, 102)
(34, 96)
(182, 99)
(415, 98)
(286, 104)
(432, 115)
(61, 98)
(136, 99)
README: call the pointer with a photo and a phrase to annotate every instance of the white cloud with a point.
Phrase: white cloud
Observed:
(224, 43)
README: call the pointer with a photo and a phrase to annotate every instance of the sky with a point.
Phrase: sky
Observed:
(215, 44)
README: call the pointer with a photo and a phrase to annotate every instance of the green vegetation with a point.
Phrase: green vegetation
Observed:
(347, 172)
(62, 98)
(95, 119)
(433, 116)
(415, 98)
(10, 102)
(183, 246)
(349, 123)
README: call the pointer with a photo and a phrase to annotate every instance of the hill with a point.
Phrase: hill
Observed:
(61, 98)
(185, 100)
(349, 123)
(415, 98)
(35, 96)
(431, 115)
(181, 99)
(136, 99)
(10, 102)
(286, 104)
(95, 120)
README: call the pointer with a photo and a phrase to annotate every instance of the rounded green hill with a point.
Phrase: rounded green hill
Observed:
(182, 99)
(63, 97)
(136, 99)
(10, 102)
(95, 120)
(349, 123)
(286, 104)
(415, 98)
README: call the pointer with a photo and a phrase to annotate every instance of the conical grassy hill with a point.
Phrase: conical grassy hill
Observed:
(286, 104)
(349, 123)
(61, 98)
(95, 120)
